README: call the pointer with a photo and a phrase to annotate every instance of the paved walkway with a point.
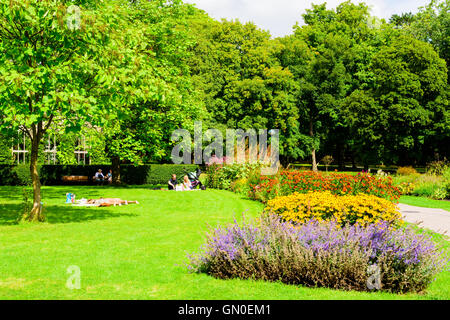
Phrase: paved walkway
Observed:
(437, 220)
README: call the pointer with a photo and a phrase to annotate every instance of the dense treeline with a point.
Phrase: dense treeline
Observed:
(344, 83)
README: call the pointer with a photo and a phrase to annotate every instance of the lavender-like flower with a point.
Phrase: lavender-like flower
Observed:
(306, 254)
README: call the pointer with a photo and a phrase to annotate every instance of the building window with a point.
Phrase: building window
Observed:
(81, 152)
(19, 150)
(50, 150)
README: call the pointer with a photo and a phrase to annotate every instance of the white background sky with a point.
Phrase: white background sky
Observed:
(278, 16)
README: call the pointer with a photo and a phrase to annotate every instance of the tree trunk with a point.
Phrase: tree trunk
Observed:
(116, 171)
(313, 151)
(314, 161)
(35, 214)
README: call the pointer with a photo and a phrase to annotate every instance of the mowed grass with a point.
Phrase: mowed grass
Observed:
(136, 251)
(425, 202)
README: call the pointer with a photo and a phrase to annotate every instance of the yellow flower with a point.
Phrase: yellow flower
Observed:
(362, 208)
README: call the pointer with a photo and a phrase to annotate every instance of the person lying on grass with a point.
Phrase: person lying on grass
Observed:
(106, 202)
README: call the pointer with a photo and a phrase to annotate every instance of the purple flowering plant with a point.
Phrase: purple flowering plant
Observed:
(320, 254)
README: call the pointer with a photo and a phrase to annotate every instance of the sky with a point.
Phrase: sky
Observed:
(278, 16)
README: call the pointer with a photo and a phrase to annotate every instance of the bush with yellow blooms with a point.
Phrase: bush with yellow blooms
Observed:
(325, 206)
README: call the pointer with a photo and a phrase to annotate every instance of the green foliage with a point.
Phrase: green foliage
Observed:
(240, 186)
(15, 175)
(22, 172)
(223, 176)
(156, 87)
(425, 185)
(40, 54)
(427, 189)
(243, 85)
(160, 173)
(27, 194)
(432, 24)
(405, 96)
(153, 174)
(5, 150)
(138, 71)
(438, 167)
(402, 20)
(440, 193)
(66, 149)
(337, 45)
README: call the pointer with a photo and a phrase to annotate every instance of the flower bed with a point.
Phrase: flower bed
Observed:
(321, 254)
(322, 206)
(264, 188)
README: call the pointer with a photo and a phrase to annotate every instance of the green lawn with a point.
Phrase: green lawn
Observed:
(425, 202)
(136, 251)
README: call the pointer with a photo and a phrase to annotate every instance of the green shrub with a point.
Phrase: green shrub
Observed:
(6, 175)
(15, 175)
(438, 167)
(425, 190)
(406, 188)
(22, 172)
(240, 186)
(160, 173)
(133, 175)
(440, 193)
(203, 178)
(223, 176)
(425, 185)
(446, 177)
(399, 179)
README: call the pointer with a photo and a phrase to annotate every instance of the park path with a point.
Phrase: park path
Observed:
(437, 220)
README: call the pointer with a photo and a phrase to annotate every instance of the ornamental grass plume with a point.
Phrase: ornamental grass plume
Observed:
(320, 254)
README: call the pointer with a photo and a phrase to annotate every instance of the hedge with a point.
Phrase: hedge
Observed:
(332, 167)
(14, 175)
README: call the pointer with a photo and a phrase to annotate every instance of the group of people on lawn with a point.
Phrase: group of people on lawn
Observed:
(100, 177)
(185, 186)
(172, 184)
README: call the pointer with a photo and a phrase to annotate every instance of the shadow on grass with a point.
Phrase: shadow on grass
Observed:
(16, 193)
(9, 213)
(60, 193)
(10, 193)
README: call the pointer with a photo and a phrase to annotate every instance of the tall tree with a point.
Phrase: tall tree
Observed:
(339, 42)
(155, 83)
(396, 114)
(432, 24)
(242, 83)
(402, 20)
(52, 62)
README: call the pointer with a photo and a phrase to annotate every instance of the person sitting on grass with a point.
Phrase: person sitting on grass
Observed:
(172, 184)
(109, 177)
(186, 184)
(99, 176)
